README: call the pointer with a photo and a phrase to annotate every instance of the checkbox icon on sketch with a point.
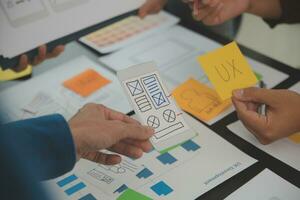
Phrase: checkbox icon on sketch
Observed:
(143, 103)
(155, 91)
(134, 87)
(169, 115)
(159, 99)
(153, 121)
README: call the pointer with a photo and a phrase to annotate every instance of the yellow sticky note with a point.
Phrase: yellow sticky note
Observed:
(199, 100)
(295, 138)
(8, 74)
(227, 69)
(86, 82)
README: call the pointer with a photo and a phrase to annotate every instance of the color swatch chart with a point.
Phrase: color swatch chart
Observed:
(130, 29)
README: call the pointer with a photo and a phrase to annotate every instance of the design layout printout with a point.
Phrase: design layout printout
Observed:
(40, 97)
(154, 105)
(175, 52)
(266, 186)
(48, 20)
(285, 149)
(128, 31)
(184, 172)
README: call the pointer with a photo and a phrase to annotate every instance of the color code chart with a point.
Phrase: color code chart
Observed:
(126, 31)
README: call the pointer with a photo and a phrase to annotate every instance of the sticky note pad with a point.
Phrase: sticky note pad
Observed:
(227, 69)
(295, 138)
(8, 74)
(86, 82)
(199, 100)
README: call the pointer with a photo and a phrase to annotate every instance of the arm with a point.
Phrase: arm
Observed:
(51, 145)
(46, 144)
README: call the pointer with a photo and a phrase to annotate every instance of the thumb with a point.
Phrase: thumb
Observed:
(252, 120)
(258, 95)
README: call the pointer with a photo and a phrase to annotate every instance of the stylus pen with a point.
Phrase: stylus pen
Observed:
(262, 109)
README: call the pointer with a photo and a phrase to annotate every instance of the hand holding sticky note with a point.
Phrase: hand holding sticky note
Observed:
(227, 69)
(199, 100)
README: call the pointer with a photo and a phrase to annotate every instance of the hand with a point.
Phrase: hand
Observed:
(214, 12)
(151, 7)
(42, 55)
(282, 116)
(96, 127)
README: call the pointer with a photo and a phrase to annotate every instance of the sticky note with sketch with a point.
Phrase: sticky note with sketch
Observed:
(154, 105)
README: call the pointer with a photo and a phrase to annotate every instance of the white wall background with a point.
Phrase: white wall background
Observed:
(281, 42)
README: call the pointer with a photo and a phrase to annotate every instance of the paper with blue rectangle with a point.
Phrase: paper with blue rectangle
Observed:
(154, 105)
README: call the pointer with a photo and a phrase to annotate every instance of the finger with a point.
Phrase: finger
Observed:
(23, 63)
(102, 158)
(127, 150)
(252, 106)
(56, 51)
(203, 12)
(214, 17)
(42, 52)
(145, 145)
(115, 115)
(149, 8)
(258, 95)
(252, 120)
(123, 130)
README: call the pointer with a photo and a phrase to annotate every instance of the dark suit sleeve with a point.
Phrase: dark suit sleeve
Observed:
(290, 13)
(45, 143)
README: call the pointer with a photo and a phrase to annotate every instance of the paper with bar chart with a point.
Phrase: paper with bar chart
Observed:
(184, 172)
(286, 149)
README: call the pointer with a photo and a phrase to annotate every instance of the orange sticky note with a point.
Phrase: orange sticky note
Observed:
(295, 138)
(199, 100)
(86, 82)
(227, 69)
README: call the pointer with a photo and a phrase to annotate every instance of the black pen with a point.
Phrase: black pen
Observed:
(262, 109)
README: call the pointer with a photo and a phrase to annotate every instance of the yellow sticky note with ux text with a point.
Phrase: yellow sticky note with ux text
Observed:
(227, 69)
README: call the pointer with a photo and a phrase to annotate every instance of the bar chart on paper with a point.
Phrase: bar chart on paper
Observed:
(156, 174)
(90, 180)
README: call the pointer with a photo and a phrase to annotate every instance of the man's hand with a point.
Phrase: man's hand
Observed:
(215, 12)
(282, 117)
(42, 55)
(151, 7)
(96, 127)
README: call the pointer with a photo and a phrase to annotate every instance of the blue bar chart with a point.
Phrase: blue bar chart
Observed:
(166, 158)
(161, 188)
(75, 188)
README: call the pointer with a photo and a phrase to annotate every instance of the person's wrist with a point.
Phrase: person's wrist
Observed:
(73, 128)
